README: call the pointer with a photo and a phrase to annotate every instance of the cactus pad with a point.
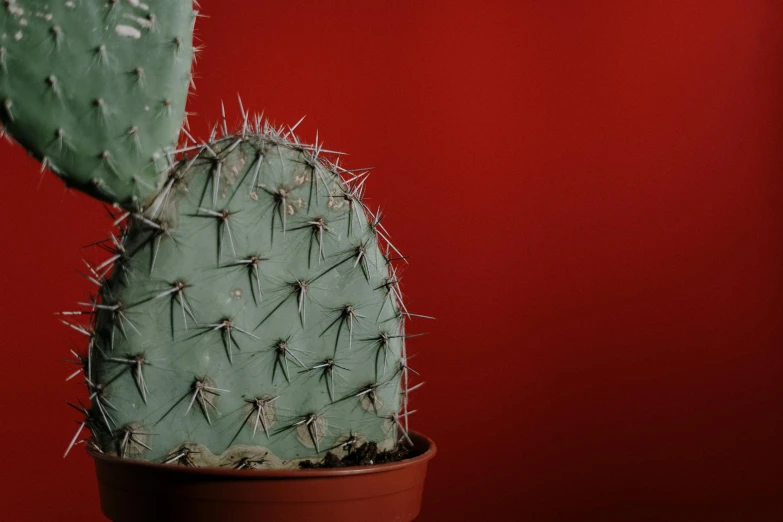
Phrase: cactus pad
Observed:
(96, 89)
(252, 317)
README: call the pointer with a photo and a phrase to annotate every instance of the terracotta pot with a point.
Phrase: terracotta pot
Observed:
(135, 490)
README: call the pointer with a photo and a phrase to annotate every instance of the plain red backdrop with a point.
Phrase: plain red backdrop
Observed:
(592, 197)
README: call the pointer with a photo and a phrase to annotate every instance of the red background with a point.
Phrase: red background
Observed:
(592, 197)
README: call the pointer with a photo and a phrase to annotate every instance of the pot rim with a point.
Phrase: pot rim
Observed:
(420, 440)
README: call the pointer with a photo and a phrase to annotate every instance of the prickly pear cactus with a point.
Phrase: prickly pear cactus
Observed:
(247, 312)
(96, 89)
(251, 315)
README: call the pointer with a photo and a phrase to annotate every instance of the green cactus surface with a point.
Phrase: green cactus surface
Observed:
(249, 316)
(248, 311)
(96, 89)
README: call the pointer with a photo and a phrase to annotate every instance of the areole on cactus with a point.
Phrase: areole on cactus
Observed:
(248, 312)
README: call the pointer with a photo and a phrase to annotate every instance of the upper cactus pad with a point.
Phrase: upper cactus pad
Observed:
(96, 89)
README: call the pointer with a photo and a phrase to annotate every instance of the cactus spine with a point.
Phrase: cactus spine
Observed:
(248, 313)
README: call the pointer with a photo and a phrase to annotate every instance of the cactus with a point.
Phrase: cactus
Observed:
(96, 89)
(248, 313)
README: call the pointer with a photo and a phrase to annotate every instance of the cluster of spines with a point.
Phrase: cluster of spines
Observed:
(132, 439)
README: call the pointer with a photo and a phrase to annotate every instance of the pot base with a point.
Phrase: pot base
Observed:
(136, 490)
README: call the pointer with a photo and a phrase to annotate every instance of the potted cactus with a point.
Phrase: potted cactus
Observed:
(245, 344)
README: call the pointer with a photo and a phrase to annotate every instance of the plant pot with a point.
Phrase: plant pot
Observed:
(136, 490)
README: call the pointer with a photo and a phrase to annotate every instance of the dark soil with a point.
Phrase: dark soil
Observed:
(365, 455)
